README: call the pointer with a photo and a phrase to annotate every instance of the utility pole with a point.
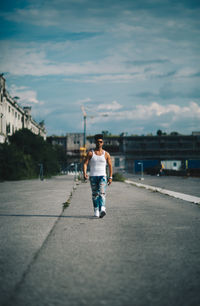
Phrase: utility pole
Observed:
(84, 118)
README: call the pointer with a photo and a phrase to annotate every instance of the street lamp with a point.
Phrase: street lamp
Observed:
(85, 123)
(84, 118)
(142, 171)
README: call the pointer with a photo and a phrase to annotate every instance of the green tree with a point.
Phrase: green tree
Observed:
(15, 165)
(159, 133)
(21, 158)
(106, 133)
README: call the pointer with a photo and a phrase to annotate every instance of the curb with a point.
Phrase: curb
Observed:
(177, 195)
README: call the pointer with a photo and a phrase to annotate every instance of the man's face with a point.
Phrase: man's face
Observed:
(99, 143)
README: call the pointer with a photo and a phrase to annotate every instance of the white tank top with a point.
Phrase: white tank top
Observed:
(98, 165)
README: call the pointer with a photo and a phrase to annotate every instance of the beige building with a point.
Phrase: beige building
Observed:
(13, 117)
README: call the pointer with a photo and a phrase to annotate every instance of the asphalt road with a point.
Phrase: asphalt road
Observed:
(145, 251)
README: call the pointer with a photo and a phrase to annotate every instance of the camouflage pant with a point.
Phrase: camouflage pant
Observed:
(98, 186)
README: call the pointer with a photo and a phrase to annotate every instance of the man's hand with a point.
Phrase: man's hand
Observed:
(108, 158)
(85, 177)
(109, 181)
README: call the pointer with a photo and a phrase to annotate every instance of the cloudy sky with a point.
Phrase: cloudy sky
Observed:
(133, 64)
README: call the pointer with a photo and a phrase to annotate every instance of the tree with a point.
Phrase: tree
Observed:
(15, 165)
(174, 133)
(159, 133)
(22, 157)
(106, 133)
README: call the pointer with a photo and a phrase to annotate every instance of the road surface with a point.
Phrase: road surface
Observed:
(145, 251)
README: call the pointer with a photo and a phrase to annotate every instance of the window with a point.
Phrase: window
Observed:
(8, 128)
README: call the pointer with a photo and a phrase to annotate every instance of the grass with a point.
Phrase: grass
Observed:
(66, 204)
(118, 177)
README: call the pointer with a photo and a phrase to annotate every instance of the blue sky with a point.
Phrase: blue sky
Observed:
(133, 65)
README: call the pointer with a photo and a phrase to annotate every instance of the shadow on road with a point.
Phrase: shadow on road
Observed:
(46, 216)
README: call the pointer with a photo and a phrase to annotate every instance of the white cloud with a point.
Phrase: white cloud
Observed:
(27, 96)
(154, 111)
(112, 78)
(186, 72)
(33, 16)
(49, 15)
(119, 65)
(144, 119)
(110, 107)
(33, 59)
(128, 29)
(82, 101)
(18, 59)
(108, 53)
(28, 61)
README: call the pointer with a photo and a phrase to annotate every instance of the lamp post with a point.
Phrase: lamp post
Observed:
(85, 122)
(84, 118)
(142, 171)
(84, 140)
(83, 149)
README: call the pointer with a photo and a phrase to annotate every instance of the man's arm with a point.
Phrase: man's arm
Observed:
(85, 165)
(109, 167)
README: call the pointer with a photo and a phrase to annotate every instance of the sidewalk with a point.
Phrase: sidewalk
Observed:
(177, 195)
(28, 212)
(186, 185)
(143, 252)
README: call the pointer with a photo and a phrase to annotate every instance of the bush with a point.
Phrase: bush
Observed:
(21, 158)
(15, 165)
(118, 177)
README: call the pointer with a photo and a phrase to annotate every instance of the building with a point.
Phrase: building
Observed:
(114, 145)
(174, 152)
(160, 148)
(128, 152)
(13, 117)
(73, 144)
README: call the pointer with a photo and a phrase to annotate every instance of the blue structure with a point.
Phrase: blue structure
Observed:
(193, 164)
(146, 164)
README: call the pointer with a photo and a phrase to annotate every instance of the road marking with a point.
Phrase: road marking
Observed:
(178, 195)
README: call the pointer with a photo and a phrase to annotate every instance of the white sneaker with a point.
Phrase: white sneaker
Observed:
(96, 212)
(102, 212)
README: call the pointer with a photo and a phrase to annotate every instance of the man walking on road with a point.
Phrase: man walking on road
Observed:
(97, 160)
